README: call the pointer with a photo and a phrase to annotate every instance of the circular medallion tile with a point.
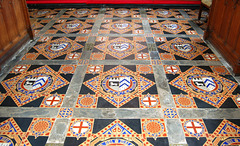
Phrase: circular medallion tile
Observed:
(87, 101)
(184, 101)
(153, 127)
(53, 100)
(80, 128)
(194, 127)
(40, 127)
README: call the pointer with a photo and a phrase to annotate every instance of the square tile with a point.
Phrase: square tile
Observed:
(81, 13)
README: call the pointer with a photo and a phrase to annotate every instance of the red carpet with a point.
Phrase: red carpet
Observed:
(114, 2)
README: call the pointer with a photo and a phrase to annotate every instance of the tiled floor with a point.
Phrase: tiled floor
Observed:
(119, 76)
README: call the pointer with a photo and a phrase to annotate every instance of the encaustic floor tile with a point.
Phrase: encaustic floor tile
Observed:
(56, 48)
(120, 48)
(184, 49)
(120, 86)
(211, 132)
(163, 13)
(193, 13)
(121, 27)
(171, 27)
(35, 85)
(122, 13)
(43, 13)
(38, 24)
(81, 13)
(134, 132)
(63, 26)
(204, 87)
(25, 131)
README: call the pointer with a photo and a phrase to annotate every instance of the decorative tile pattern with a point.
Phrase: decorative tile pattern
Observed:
(172, 27)
(170, 113)
(118, 86)
(121, 26)
(57, 49)
(202, 83)
(52, 100)
(37, 25)
(33, 84)
(120, 48)
(163, 13)
(81, 13)
(65, 113)
(43, 13)
(185, 49)
(14, 131)
(194, 128)
(117, 132)
(122, 13)
(71, 26)
(41, 127)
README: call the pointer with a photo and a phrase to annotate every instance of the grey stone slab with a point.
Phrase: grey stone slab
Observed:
(107, 113)
(175, 132)
(154, 55)
(166, 18)
(174, 35)
(59, 131)
(185, 15)
(48, 62)
(196, 27)
(86, 54)
(60, 13)
(150, 40)
(75, 85)
(209, 113)
(121, 35)
(66, 35)
(152, 46)
(164, 92)
(170, 62)
(119, 62)
(89, 46)
(28, 112)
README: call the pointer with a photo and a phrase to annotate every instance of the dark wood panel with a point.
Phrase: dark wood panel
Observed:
(223, 30)
(15, 29)
(4, 39)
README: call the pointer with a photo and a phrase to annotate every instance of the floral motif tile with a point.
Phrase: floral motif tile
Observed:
(43, 13)
(120, 86)
(25, 131)
(37, 84)
(163, 13)
(202, 87)
(185, 49)
(122, 13)
(57, 48)
(81, 13)
(86, 132)
(171, 27)
(120, 48)
(121, 27)
(63, 26)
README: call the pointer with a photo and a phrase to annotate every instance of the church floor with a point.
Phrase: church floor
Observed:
(111, 77)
